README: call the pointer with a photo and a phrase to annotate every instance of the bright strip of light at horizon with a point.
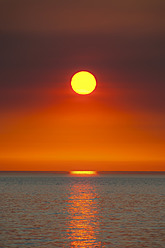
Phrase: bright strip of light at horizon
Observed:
(83, 172)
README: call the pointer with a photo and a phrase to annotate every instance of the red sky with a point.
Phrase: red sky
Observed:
(44, 125)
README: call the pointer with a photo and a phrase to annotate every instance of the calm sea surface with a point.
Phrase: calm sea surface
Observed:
(50, 210)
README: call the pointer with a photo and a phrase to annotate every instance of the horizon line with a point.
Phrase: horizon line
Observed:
(99, 172)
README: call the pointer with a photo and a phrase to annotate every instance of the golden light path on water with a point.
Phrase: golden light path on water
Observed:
(83, 214)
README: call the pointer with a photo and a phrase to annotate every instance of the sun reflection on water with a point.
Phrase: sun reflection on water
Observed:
(83, 173)
(83, 221)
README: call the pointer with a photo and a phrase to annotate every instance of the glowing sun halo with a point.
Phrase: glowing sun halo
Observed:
(83, 82)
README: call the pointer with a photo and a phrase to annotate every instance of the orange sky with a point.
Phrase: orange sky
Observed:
(82, 132)
(44, 125)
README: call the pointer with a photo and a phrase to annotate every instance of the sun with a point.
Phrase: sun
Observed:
(83, 82)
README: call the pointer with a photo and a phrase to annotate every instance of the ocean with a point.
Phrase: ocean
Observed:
(61, 210)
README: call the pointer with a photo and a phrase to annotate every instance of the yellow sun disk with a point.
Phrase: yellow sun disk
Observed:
(83, 82)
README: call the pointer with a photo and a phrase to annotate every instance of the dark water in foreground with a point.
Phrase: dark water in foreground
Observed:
(49, 210)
